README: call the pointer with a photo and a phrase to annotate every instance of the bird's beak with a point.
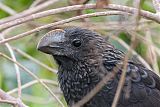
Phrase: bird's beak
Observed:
(51, 40)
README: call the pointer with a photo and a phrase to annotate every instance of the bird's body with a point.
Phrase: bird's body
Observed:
(85, 58)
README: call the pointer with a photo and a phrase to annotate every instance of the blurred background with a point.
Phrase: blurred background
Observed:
(119, 29)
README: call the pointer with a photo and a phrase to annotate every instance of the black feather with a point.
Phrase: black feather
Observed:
(83, 64)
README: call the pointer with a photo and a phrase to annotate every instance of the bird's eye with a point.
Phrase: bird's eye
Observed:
(76, 43)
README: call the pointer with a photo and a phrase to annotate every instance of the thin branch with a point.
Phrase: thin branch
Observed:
(123, 76)
(145, 40)
(34, 76)
(152, 56)
(133, 52)
(97, 88)
(16, 66)
(36, 9)
(13, 103)
(157, 50)
(28, 11)
(26, 85)
(7, 9)
(145, 14)
(62, 22)
(43, 101)
(103, 82)
(12, 12)
(124, 70)
(34, 60)
(5, 97)
(111, 25)
(36, 2)
(140, 37)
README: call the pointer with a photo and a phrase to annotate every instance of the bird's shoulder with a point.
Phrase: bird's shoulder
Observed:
(141, 86)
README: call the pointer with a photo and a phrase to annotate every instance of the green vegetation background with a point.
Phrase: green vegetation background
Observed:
(28, 45)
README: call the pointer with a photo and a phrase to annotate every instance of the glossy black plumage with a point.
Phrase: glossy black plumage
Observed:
(84, 58)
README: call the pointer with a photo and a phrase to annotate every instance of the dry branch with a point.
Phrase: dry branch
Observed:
(16, 66)
(133, 52)
(125, 64)
(7, 9)
(12, 12)
(26, 85)
(34, 60)
(5, 98)
(29, 16)
(62, 22)
(151, 53)
(28, 12)
(34, 76)
(97, 88)
(145, 14)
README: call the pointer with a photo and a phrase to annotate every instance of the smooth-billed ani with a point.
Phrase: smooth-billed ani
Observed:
(84, 58)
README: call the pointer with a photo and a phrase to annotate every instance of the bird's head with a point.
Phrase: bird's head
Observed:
(72, 43)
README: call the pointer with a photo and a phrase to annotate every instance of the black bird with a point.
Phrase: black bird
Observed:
(84, 58)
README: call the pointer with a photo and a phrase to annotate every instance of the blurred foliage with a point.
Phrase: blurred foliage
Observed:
(17, 5)
(28, 45)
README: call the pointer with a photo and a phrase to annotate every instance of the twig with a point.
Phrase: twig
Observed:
(32, 83)
(12, 12)
(152, 56)
(6, 97)
(112, 25)
(103, 82)
(122, 78)
(34, 60)
(36, 2)
(123, 75)
(157, 50)
(7, 9)
(13, 103)
(28, 12)
(43, 101)
(133, 52)
(124, 70)
(97, 88)
(34, 76)
(62, 22)
(16, 66)
(145, 14)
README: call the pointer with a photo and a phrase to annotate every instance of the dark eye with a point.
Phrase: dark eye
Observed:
(76, 43)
